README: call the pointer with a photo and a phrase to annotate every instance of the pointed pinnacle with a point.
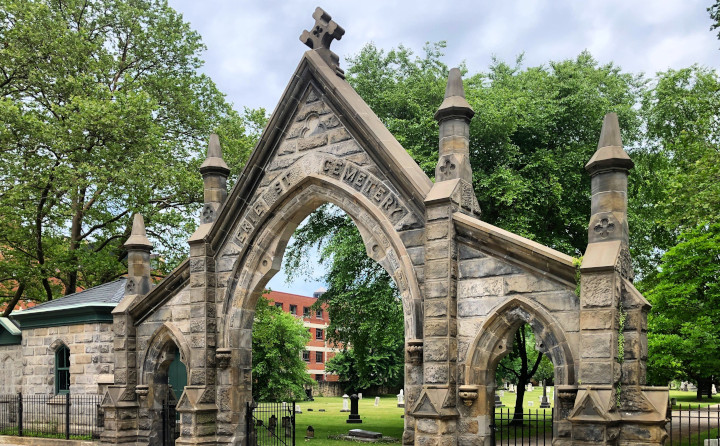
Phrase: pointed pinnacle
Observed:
(138, 237)
(454, 84)
(610, 153)
(214, 149)
(454, 105)
(610, 133)
(214, 162)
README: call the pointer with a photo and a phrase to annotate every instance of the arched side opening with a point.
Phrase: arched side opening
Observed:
(494, 341)
(264, 259)
(163, 376)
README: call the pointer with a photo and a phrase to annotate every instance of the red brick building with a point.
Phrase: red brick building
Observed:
(318, 350)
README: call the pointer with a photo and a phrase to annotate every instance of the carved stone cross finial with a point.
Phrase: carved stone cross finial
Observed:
(322, 35)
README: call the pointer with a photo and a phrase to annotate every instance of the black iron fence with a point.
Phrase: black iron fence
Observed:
(694, 426)
(170, 431)
(270, 424)
(53, 416)
(531, 428)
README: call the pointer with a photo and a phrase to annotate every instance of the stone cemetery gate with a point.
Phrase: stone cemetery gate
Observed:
(466, 285)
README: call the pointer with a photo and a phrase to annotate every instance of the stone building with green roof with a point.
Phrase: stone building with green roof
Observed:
(61, 346)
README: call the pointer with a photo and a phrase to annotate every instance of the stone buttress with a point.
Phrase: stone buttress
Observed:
(120, 402)
(613, 406)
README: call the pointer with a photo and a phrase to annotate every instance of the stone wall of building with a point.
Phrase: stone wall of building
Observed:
(10, 369)
(91, 357)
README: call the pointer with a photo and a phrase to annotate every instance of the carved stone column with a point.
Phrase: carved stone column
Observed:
(120, 402)
(611, 406)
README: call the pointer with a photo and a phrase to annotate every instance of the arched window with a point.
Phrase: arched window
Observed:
(62, 369)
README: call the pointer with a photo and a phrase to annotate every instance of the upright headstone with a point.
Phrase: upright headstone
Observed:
(502, 393)
(354, 416)
(714, 390)
(346, 407)
(359, 395)
(401, 399)
(544, 403)
(498, 401)
(377, 401)
(684, 386)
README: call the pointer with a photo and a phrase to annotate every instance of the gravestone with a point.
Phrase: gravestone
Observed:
(544, 403)
(684, 386)
(531, 403)
(346, 407)
(359, 395)
(377, 401)
(360, 433)
(297, 409)
(401, 399)
(714, 390)
(498, 401)
(354, 416)
(692, 387)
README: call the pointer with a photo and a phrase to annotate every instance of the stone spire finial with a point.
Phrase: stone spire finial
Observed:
(138, 247)
(609, 168)
(214, 171)
(321, 36)
(455, 105)
(610, 153)
(454, 117)
(138, 238)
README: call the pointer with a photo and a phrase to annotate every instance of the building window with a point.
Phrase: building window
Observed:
(62, 370)
(318, 334)
(278, 305)
(319, 378)
(306, 356)
(306, 311)
(318, 314)
(293, 310)
(319, 357)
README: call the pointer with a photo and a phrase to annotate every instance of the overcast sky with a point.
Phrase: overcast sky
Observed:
(253, 46)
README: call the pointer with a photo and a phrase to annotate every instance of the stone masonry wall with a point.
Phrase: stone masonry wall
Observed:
(91, 357)
(487, 283)
(10, 369)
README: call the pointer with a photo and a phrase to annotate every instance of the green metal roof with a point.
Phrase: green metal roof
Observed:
(92, 305)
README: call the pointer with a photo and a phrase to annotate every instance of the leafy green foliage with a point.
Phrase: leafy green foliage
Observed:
(363, 305)
(278, 371)
(104, 114)
(685, 318)
(714, 11)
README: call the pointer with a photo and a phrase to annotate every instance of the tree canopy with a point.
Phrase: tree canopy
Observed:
(104, 114)
(278, 371)
(364, 308)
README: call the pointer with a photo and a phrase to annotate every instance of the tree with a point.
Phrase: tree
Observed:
(104, 114)
(714, 11)
(365, 311)
(523, 364)
(278, 371)
(685, 318)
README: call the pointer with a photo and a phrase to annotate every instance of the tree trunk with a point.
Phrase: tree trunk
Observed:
(11, 305)
(519, 397)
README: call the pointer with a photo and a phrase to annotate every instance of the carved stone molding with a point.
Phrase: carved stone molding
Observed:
(222, 356)
(468, 394)
(415, 351)
(142, 390)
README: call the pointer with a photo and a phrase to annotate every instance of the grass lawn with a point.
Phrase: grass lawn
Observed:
(688, 399)
(384, 419)
(508, 399)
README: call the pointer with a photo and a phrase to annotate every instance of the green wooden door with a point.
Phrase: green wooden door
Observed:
(177, 375)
